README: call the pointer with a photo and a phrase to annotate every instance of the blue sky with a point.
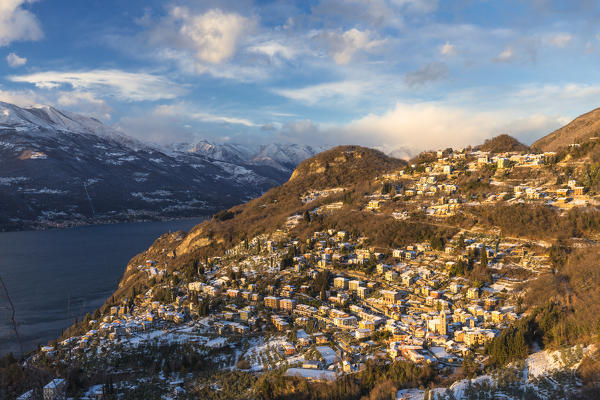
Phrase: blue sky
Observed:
(401, 75)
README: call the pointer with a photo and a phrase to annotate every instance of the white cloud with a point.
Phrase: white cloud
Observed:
(408, 129)
(15, 61)
(424, 126)
(127, 86)
(183, 122)
(85, 103)
(343, 46)
(560, 40)
(506, 55)
(273, 49)
(448, 49)
(571, 93)
(325, 91)
(187, 112)
(22, 98)
(529, 129)
(212, 36)
(17, 23)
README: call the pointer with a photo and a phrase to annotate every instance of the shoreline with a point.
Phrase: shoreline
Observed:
(31, 328)
(79, 224)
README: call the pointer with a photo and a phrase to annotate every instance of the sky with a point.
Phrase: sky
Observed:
(399, 75)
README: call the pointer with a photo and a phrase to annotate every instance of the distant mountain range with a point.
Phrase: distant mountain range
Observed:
(60, 168)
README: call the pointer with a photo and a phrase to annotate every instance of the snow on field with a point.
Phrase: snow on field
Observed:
(216, 342)
(410, 394)
(44, 191)
(261, 352)
(185, 334)
(536, 374)
(147, 197)
(498, 286)
(545, 362)
(459, 387)
(5, 181)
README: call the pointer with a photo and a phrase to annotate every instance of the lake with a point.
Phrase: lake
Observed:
(54, 276)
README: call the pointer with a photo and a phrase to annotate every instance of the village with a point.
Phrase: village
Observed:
(322, 306)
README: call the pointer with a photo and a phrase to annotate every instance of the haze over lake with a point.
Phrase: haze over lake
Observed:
(55, 276)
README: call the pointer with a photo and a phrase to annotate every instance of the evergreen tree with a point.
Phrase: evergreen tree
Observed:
(484, 258)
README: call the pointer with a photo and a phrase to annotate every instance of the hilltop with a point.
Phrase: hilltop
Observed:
(344, 167)
(502, 144)
(581, 129)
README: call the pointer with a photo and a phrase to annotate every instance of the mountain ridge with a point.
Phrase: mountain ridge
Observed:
(580, 129)
(63, 169)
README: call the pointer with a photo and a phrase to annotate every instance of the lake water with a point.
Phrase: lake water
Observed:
(54, 276)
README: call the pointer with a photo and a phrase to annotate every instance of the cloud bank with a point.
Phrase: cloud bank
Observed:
(127, 86)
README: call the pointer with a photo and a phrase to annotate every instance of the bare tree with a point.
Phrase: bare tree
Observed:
(12, 315)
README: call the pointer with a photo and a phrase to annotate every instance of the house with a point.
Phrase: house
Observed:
(26, 396)
(472, 293)
(408, 279)
(391, 296)
(255, 297)
(354, 285)
(345, 322)
(320, 338)
(375, 204)
(366, 324)
(340, 282)
(311, 364)
(195, 286)
(363, 333)
(287, 304)
(289, 349)
(328, 354)
(455, 287)
(272, 302)
(362, 292)
(55, 390)
(245, 314)
(390, 275)
(497, 317)
(478, 336)
(209, 290)
(279, 322)
(438, 325)
(413, 355)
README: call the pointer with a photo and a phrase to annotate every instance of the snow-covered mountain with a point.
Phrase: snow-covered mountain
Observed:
(60, 168)
(283, 157)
